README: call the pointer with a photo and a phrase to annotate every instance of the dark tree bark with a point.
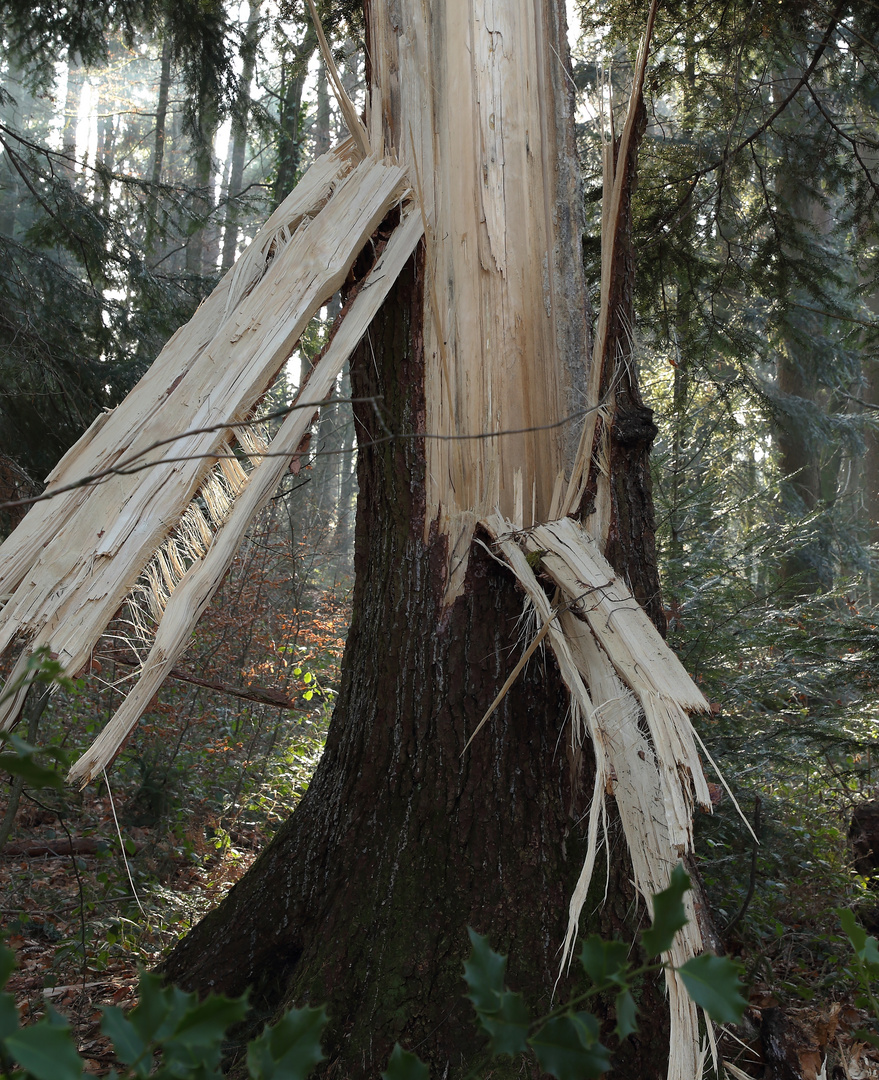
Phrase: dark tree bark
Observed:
(363, 898)
(403, 840)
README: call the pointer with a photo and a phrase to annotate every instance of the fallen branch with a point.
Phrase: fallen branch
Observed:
(262, 695)
(82, 845)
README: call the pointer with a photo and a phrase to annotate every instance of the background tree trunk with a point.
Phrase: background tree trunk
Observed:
(153, 227)
(239, 136)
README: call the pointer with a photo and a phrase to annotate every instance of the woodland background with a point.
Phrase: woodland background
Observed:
(141, 144)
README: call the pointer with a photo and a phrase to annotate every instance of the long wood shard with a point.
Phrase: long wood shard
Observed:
(190, 598)
(111, 437)
(636, 713)
(67, 576)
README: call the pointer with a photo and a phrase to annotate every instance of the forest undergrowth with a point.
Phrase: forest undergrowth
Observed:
(199, 792)
(99, 883)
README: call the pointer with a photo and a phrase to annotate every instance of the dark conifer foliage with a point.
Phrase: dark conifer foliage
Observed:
(755, 235)
(85, 308)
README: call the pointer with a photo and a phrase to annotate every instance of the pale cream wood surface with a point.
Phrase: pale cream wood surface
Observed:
(638, 651)
(110, 437)
(83, 570)
(193, 593)
(473, 95)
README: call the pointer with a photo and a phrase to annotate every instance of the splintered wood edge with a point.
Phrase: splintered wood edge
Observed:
(193, 594)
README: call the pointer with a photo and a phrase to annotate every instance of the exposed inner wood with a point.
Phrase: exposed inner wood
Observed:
(68, 571)
(198, 585)
(114, 435)
(471, 94)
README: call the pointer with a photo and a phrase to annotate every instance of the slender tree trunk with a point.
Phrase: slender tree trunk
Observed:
(871, 439)
(289, 120)
(73, 95)
(403, 839)
(164, 93)
(322, 120)
(198, 249)
(799, 445)
(239, 135)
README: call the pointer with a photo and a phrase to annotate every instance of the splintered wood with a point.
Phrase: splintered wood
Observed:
(472, 95)
(631, 695)
(468, 130)
(193, 594)
(170, 460)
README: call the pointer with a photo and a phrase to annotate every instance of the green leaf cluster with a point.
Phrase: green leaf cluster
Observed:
(567, 1042)
(169, 1035)
(172, 1035)
(865, 965)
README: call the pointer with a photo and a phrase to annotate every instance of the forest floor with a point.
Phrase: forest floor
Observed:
(80, 937)
(79, 932)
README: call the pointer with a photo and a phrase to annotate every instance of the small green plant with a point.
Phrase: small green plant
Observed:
(171, 1035)
(566, 1042)
(865, 968)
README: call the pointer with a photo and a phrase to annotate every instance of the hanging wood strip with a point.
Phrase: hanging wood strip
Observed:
(640, 655)
(194, 591)
(75, 577)
(635, 712)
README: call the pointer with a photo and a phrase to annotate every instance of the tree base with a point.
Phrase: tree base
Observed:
(403, 840)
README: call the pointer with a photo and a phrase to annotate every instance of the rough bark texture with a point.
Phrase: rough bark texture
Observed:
(630, 540)
(363, 899)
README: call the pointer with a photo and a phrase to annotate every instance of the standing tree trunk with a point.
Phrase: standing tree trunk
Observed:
(153, 225)
(73, 96)
(294, 72)
(403, 839)
(239, 136)
(799, 444)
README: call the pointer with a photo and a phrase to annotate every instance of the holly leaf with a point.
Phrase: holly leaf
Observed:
(866, 948)
(197, 1038)
(668, 914)
(291, 1048)
(46, 1051)
(127, 1043)
(605, 962)
(36, 776)
(508, 1027)
(7, 964)
(562, 1051)
(484, 974)
(8, 1016)
(713, 983)
(627, 1014)
(405, 1066)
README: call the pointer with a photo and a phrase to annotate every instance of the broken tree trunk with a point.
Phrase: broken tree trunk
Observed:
(479, 378)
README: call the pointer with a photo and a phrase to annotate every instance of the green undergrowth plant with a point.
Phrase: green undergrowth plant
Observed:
(171, 1034)
(863, 968)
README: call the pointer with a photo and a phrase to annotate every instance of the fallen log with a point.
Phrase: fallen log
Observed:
(262, 695)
